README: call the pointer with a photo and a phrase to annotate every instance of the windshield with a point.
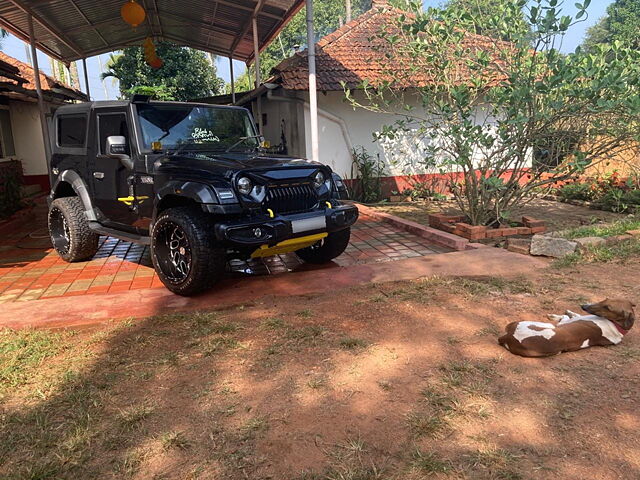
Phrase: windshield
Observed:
(196, 127)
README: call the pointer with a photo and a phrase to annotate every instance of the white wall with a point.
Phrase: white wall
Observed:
(341, 128)
(27, 137)
(285, 115)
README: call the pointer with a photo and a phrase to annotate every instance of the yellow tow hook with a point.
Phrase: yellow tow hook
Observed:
(270, 212)
(329, 206)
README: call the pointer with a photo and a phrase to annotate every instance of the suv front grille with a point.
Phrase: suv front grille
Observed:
(290, 198)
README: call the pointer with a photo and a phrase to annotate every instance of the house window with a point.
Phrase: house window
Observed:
(7, 149)
(72, 130)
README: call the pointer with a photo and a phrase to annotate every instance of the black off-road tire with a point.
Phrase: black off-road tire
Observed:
(200, 265)
(69, 229)
(330, 247)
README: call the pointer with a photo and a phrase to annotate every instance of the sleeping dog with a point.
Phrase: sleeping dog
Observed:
(606, 324)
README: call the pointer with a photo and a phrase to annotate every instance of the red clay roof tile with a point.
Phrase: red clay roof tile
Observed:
(26, 72)
(355, 53)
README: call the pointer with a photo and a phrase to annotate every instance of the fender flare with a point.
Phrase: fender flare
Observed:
(200, 192)
(77, 183)
(196, 191)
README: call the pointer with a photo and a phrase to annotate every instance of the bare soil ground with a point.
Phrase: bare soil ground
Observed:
(386, 381)
(558, 215)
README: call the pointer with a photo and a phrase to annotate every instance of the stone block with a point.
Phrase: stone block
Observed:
(546, 246)
(585, 242)
(617, 239)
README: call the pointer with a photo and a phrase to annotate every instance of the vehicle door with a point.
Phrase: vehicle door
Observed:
(113, 181)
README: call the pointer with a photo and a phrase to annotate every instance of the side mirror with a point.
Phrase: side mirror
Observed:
(116, 147)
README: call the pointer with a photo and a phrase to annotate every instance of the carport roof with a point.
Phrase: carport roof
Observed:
(72, 29)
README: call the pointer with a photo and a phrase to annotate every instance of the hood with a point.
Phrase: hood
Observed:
(227, 164)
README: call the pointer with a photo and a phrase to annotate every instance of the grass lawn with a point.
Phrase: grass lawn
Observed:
(619, 227)
(394, 381)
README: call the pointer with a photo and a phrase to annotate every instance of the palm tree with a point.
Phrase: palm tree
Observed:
(3, 34)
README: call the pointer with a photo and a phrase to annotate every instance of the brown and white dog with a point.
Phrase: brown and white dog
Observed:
(606, 324)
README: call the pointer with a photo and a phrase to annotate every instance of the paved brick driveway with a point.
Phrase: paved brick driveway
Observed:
(30, 269)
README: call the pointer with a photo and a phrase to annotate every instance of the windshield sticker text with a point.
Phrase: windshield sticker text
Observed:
(201, 135)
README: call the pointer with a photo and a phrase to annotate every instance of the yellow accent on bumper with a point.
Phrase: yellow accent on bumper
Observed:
(129, 200)
(287, 246)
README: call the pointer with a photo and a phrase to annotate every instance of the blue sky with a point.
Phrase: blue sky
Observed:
(101, 90)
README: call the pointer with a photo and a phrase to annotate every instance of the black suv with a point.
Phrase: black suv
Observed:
(192, 181)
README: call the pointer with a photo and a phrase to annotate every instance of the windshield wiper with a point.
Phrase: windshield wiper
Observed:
(242, 139)
(181, 148)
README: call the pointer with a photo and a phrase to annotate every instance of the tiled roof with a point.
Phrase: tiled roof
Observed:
(355, 53)
(26, 73)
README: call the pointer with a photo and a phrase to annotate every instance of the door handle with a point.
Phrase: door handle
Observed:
(98, 175)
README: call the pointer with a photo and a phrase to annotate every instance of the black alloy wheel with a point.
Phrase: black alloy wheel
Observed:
(173, 252)
(69, 230)
(59, 231)
(184, 252)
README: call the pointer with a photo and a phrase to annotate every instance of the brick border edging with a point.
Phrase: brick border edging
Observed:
(433, 235)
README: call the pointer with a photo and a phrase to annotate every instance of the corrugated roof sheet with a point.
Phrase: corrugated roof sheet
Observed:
(72, 29)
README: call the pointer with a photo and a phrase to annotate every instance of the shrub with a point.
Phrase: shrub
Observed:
(614, 200)
(10, 188)
(576, 191)
(479, 108)
(632, 197)
(366, 170)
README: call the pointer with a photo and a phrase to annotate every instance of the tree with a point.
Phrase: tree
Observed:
(597, 34)
(622, 23)
(329, 15)
(501, 19)
(502, 120)
(185, 74)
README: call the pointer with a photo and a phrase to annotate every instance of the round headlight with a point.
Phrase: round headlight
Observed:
(318, 179)
(245, 185)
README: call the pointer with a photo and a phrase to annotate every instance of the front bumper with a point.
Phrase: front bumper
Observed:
(265, 230)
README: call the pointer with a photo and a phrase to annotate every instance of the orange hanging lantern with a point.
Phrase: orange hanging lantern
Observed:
(133, 13)
(156, 63)
(150, 54)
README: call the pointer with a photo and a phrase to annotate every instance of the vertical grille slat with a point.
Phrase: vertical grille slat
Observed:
(290, 198)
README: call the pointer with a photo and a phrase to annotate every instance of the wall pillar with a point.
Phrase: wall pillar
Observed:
(313, 94)
(256, 63)
(41, 106)
(86, 78)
